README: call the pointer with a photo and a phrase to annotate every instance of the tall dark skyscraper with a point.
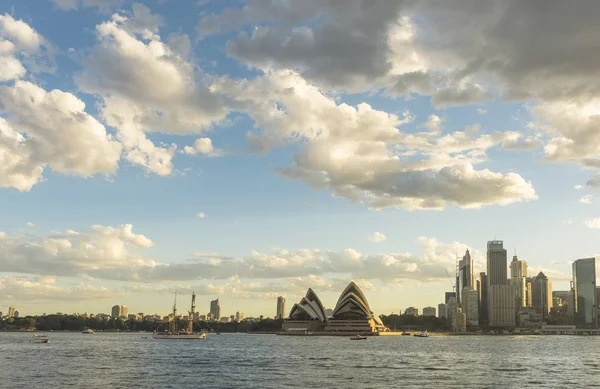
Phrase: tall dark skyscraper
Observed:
(215, 309)
(483, 299)
(584, 288)
(464, 278)
(501, 304)
(496, 263)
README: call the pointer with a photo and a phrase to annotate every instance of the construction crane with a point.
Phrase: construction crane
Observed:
(450, 279)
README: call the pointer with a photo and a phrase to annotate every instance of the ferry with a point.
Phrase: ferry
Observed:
(422, 334)
(172, 332)
(39, 339)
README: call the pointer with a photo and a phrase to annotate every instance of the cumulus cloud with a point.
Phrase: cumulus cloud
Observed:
(593, 223)
(201, 215)
(377, 237)
(50, 129)
(97, 252)
(587, 199)
(116, 253)
(203, 146)
(21, 47)
(360, 153)
(457, 55)
(147, 86)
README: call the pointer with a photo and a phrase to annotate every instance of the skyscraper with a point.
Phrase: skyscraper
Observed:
(280, 307)
(584, 288)
(464, 278)
(483, 299)
(11, 312)
(115, 312)
(541, 295)
(215, 309)
(239, 316)
(518, 280)
(442, 310)
(501, 304)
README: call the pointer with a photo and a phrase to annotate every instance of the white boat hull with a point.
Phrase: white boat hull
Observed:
(180, 336)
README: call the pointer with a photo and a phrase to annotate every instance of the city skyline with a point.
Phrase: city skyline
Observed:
(249, 150)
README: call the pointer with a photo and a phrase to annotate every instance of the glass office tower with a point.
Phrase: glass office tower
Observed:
(584, 288)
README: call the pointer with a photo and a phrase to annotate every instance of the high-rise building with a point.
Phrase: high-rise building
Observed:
(215, 309)
(442, 310)
(448, 296)
(584, 288)
(501, 303)
(541, 295)
(16, 314)
(280, 308)
(429, 311)
(464, 278)
(11, 312)
(119, 311)
(483, 299)
(470, 306)
(239, 316)
(518, 280)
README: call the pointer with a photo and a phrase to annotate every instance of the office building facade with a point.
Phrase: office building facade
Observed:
(501, 300)
(464, 278)
(584, 292)
(215, 309)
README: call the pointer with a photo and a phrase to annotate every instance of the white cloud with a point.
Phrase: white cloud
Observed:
(147, 87)
(115, 253)
(587, 199)
(50, 129)
(21, 45)
(481, 111)
(377, 237)
(593, 223)
(201, 215)
(203, 146)
(456, 55)
(360, 153)
(578, 187)
(23, 289)
(30, 224)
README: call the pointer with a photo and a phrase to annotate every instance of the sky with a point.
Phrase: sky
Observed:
(247, 150)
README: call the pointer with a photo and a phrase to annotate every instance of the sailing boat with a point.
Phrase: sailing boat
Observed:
(184, 333)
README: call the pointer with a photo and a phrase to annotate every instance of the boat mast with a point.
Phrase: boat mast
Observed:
(173, 324)
(192, 313)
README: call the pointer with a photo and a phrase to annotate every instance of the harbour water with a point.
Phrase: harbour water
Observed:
(126, 360)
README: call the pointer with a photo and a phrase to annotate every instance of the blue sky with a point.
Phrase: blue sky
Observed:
(298, 132)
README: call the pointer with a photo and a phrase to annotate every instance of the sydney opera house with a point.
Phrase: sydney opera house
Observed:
(351, 314)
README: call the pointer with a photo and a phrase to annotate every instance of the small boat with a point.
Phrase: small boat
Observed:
(39, 339)
(422, 334)
(358, 337)
(88, 331)
(405, 333)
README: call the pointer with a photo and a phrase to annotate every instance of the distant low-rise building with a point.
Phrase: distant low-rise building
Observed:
(411, 311)
(11, 312)
(429, 311)
(225, 320)
(239, 316)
